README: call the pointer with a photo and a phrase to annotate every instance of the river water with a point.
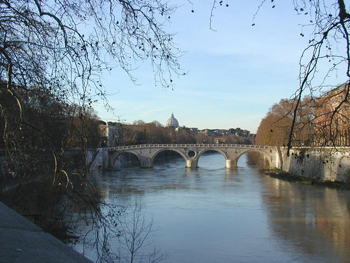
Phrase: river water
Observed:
(212, 214)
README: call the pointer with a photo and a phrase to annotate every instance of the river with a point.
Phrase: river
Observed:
(212, 214)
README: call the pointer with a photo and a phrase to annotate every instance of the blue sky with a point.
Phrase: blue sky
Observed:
(235, 74)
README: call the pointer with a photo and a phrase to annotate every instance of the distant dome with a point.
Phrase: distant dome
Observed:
(172, 122)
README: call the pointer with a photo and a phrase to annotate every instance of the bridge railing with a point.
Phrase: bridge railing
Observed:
(138, 146)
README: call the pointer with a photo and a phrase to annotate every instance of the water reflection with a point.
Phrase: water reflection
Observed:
(213, 214)
(313, 220)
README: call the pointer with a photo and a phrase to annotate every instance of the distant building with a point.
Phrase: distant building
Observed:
(110, 134)
(193, 131)
(332, 112)
(172, 122)
(219, 140)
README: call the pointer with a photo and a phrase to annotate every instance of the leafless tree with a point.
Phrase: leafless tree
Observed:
(134, 234)
(329, 43)
(61, 48)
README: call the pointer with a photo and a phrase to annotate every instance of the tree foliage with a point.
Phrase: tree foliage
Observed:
(321, 122)
(274, 128)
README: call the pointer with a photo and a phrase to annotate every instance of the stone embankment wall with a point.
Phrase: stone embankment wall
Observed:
(98, 159)
(323, 164)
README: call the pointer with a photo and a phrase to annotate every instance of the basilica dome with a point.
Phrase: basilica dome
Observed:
(172, 122)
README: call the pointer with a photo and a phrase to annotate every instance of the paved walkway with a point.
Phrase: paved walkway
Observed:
(23, 242)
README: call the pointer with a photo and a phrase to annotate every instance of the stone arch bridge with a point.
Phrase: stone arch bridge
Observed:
(191, 153)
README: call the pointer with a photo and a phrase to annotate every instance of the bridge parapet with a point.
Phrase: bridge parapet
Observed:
(190, 145)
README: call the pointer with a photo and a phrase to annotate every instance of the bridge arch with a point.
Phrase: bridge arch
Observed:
(212, 150)
(170, 150)
(116, 155)
(264, 153)
(225, 157)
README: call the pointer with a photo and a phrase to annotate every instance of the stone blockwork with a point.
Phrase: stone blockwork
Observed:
(325, 163)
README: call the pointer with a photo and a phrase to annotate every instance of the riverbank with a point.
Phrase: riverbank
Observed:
(283, 175)
(22, 241)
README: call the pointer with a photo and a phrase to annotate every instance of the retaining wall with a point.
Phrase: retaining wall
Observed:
(324, 164)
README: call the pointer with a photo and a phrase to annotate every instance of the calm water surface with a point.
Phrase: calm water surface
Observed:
(212, 214)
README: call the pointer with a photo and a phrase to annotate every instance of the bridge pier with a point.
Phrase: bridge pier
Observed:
(191, 163)
(230, 164)
(146, 162)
